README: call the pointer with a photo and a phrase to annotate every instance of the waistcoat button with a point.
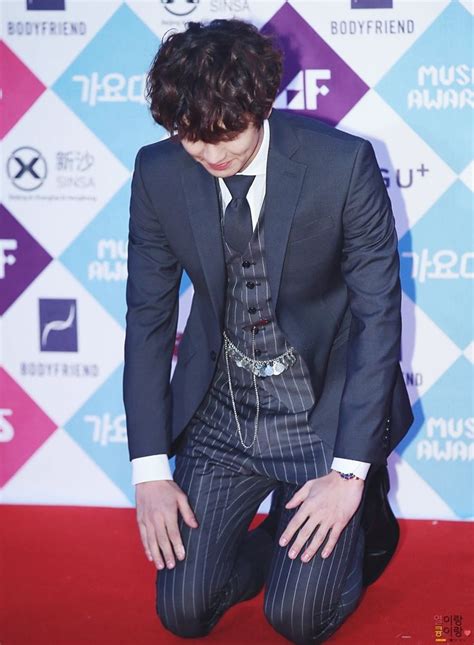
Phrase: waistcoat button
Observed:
(246, 264)
(258, 352)
(252, 310)
(250, 284)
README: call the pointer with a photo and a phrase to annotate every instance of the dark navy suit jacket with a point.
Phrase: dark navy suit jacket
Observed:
(333, 266)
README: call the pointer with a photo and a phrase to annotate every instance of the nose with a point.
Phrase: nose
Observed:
(212, 154)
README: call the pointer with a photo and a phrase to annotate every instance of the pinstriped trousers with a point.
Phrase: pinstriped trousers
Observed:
(225, 484)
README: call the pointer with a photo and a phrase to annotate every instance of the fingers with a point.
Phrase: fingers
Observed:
(303, 536)
(303, 524)
(293, 525)
(186, 511)
(157, 518)
(326, 505)
(148, 538)
(167, 532)
(334, 533)
(159, 545)
(334, 536)
(299, 496)
(144, 539)
(155, 541)
(322, 531)
(169, 540)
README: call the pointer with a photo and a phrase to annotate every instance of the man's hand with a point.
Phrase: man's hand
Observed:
(158, 503)
(329, 502)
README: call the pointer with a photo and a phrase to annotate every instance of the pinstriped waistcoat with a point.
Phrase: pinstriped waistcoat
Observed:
(248, 300)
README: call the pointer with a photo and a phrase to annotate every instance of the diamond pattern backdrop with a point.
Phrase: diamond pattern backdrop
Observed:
(73, 115)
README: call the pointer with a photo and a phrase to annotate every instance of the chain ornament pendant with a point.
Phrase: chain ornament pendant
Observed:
(270, 367)
(257, 415)
(258, 368)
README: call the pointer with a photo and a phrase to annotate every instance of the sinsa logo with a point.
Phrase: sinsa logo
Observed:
(180, 7)
(303, 91)
(27, 168)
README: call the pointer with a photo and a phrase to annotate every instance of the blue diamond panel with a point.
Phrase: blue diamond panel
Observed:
(439, 444)
(431, 86)
(104, 85)
(99, 427)
(436, 263)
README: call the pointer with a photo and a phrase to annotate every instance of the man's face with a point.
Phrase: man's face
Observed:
(226, 158)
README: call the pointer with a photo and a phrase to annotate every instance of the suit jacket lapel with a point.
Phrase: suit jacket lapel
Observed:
(284, 183)
(204, 215)
(283, 187)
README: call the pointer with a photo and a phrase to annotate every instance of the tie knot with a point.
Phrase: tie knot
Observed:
(239, 185)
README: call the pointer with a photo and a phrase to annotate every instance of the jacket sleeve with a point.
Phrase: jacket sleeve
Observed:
(370, 267)
(152, 297)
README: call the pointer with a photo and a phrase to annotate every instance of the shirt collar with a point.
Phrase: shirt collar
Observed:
(258, 165)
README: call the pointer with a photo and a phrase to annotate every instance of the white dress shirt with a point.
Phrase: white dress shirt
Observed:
(156, 467)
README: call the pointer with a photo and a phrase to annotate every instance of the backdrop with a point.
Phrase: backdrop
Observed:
(73, 116)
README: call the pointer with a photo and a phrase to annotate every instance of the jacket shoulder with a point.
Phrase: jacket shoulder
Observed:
(168, 149)
(305, 126)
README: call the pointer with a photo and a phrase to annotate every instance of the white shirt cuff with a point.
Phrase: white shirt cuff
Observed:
(359, 468)
(156, 467)
(151, 468)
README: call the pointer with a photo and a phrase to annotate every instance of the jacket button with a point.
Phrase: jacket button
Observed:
(250, 284)
(213, 355)
(252, 310)
(246, 264)
(258, 352)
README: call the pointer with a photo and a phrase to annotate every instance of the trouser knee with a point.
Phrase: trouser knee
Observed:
(301, 626)
(186, 620)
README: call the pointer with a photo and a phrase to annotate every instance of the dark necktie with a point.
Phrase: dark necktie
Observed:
(238, 226)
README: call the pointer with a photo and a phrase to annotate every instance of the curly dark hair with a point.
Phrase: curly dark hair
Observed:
(210, 81)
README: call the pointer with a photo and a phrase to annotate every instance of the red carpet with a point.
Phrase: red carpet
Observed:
(74, 575)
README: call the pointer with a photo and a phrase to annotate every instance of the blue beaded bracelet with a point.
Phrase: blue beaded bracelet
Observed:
(346, 475)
